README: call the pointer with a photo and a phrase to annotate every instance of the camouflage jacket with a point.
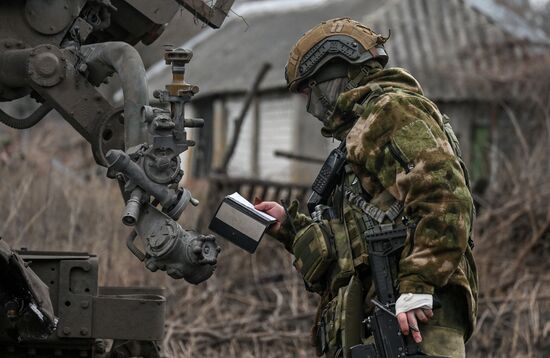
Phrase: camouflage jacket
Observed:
(397, 145)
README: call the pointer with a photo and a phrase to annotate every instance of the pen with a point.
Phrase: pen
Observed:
(381, 306)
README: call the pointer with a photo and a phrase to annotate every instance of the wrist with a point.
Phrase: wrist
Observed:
(282, 232)
(410, 285)
(411, 301)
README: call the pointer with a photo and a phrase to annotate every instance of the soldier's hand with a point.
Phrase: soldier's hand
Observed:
(274, 209)
(411, 308)
(408, 322)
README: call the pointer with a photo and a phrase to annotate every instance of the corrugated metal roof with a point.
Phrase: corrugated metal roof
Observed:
(456, 48)
(509, 21)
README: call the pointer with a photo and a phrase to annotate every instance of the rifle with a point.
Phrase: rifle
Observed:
(384, 245)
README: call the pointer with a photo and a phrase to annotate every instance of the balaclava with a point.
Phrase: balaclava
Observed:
(321, 102)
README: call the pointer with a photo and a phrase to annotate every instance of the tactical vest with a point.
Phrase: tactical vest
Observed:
(331, 253)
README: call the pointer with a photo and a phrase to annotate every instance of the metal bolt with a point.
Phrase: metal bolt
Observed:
(47, 64)
(83, 331)
(84, 304)
(66, 331)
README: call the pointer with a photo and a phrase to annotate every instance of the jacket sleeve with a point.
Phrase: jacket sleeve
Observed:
(293, 222)
(403, 144)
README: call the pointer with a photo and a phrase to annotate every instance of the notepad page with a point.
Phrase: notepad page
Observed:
(239, 198)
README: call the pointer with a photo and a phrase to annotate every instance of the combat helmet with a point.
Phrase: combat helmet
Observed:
(341, 38)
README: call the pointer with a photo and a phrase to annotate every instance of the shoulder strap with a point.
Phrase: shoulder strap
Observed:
(374, 213)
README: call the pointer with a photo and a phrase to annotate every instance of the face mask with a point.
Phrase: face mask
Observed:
(321, 102)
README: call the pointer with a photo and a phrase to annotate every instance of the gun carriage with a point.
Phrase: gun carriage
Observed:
(59, 52)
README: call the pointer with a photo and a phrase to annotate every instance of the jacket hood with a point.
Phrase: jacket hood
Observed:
(339, 124)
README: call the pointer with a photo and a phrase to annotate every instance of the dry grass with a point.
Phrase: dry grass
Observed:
(256, 305)
(513, 247)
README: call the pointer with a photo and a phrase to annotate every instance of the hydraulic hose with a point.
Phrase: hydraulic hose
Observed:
(24, 123)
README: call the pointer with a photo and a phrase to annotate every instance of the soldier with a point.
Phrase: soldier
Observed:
(403, 165)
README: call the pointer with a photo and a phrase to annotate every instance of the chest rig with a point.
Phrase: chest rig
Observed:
(349, 219)
(360, 215)
(365, 231)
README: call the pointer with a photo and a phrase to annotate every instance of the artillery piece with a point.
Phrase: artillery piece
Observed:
(59, 52)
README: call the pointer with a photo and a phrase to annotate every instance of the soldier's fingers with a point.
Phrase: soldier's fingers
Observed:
(264, 205)
(428, 312)
(403, 323)
(414, 327)
(420, 315)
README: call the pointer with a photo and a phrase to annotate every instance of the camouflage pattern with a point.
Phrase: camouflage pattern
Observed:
(431, 184)
(398, 149)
